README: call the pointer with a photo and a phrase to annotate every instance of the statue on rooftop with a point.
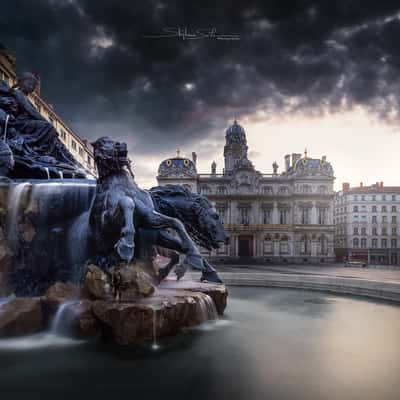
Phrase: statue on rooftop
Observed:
(37, 150)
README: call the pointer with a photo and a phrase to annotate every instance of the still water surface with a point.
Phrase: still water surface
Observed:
(272, 344)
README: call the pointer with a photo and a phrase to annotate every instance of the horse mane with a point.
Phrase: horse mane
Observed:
(163, 201)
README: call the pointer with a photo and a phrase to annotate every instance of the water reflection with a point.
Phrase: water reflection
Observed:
(273, 344)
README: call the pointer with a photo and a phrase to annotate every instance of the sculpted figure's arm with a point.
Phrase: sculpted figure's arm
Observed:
(27, 83)
(27, 106)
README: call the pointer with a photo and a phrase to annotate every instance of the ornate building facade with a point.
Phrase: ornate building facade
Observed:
(78, 147)
(282, 217)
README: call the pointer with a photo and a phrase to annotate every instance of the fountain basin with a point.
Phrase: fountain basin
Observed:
(174, 307)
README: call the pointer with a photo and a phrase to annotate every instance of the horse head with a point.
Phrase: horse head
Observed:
(111, 157)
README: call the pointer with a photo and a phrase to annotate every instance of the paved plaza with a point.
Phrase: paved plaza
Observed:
(376, 282)
(373, 273)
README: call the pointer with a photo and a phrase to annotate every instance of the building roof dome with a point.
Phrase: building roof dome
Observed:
(177, 167)
(235, 129)
(312, 166)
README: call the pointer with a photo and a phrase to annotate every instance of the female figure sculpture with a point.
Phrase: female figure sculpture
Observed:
(32, 138)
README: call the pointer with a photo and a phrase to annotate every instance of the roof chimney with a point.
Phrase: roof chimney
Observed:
(381, 184)
(194, 157)
(287, 162)
(361, 185)
(345, 186)
(295, 157)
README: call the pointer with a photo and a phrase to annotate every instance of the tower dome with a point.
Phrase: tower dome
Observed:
(235, 129)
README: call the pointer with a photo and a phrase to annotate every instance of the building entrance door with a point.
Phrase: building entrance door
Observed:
(245, 246)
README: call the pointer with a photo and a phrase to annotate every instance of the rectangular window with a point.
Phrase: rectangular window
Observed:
(383, 197)
(355, 208)
(244, 216)
(384, 231)
(305, 216)
(394, 219)
(374, 219)
(267, 216)
(374, 243)
(373, 197)
(374, 209)
(394, 209)
(322, 216)
(283, 217)
(363, 231)
(383, 208)
(363, 243)
(81, 151)
(222, 214)
(393, 243)
(355, 231)
(284, 247)
(384, 219)
(63, 135)
(267, 246)
(393, 197)
(383, 243)
(73, 145)
(374, 231)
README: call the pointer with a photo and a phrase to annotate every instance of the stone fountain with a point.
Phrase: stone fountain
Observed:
(95, 255)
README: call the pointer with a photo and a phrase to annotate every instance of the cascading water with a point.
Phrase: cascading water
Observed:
(38, 222)
(15, 196)
(155, 345)
(47, 172)
(206, 308)
(64, 318)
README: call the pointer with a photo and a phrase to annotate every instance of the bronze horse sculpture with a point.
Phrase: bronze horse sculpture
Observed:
(125, 220)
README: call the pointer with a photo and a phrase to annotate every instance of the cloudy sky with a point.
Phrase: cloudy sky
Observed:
(322, 75)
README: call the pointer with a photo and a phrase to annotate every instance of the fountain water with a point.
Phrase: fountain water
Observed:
(206, 308)
(47, 172)
(15, 196)
(155, 345)
(64, 318)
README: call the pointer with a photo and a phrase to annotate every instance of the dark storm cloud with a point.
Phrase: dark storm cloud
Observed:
(104, 77)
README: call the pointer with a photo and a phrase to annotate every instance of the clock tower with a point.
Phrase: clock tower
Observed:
(235, 150)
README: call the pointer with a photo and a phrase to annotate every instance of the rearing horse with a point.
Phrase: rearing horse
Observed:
(120, 208)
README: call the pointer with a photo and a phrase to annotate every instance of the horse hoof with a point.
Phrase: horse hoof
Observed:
(210, 276)
(180, 271)
(125, 250)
